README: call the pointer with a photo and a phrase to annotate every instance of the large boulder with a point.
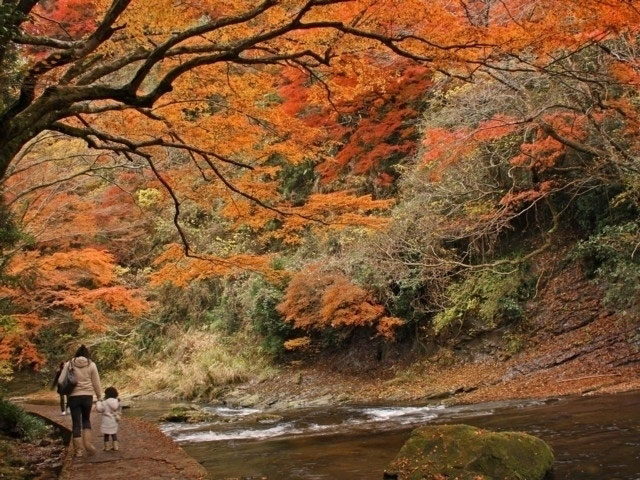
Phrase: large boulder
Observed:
(462, 452)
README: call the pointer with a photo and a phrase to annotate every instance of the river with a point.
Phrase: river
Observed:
(594, 438)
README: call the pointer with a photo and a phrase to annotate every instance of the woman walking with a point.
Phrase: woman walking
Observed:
(64, 400)
(81, 399)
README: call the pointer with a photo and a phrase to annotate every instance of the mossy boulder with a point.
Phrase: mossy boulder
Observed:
(463, 452)
(188, 414)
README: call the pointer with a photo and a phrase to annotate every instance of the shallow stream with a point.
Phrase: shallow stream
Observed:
(593, 437)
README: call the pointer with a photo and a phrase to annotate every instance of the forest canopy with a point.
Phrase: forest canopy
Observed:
(305, 169)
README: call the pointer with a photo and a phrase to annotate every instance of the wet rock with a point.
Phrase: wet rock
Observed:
(442, 394)
(468, 453)
(323, 401)
(437, 394)
(188, 414)
(248, 478)
(343, 398)
(250, 401)
(267, 418)
(240, 398)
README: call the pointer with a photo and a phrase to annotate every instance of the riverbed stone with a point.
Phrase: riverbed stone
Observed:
(464, 452)
(266, 418)
(188, 414)
(247, 401)
(323, 401)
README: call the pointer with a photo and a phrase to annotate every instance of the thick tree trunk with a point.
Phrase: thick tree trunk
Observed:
(16, 131)
(11, 142)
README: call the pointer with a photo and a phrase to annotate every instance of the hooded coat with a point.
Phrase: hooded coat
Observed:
(111, 413)
(87, 375)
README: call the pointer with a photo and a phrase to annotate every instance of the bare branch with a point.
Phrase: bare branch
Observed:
(176, 203)
(26, 39)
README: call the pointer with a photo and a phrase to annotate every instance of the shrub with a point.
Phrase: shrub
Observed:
(603, 205)
(17, 423)
(300, 343)
(266, 319)
(227, 315)
(296, 181)
(6, 371)
(484, 300)
(316, 300)
(201, 303)
(187, 305)
(612, 258)
(109, 354)
(514, 343)
(55, 337)
(444, 217)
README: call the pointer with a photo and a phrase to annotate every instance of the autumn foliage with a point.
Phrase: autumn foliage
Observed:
(17, 335)
(146, 143)
(82, 282)
(315, 300)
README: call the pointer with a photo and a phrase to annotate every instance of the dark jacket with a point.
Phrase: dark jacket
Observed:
(55, 380)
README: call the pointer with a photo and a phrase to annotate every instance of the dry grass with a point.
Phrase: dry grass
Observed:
(196, 364)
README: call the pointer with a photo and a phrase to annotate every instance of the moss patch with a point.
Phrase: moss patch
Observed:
(468, 453)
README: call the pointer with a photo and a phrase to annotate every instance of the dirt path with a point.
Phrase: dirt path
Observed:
(145, 452)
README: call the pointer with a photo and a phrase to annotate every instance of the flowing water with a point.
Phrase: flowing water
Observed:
(593, 437)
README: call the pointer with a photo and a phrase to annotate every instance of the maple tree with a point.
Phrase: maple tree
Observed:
(262, 124)
(81, 282)
(145, 66)
(316, 300)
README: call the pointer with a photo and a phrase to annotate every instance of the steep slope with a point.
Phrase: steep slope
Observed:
(573, 344)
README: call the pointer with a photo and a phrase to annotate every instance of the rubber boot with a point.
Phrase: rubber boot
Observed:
(116, 445)
(78, 447)
(88, 444)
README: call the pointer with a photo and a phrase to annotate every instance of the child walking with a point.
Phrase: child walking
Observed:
(111, 413)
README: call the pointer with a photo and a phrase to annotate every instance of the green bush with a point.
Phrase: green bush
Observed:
(109, 354)
(266, 319)
(226, 316)
(204, 303)
(296, 181)
(187, 305)
(54, 339)
(514, 343)
(17, 423)
(484, 300)
(603, 205)
(408, 298)
(612, 258)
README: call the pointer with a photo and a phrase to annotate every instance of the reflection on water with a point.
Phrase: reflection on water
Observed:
(593, 437)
